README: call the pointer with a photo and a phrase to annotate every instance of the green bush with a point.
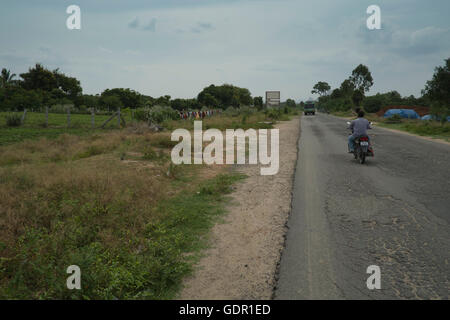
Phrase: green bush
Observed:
(158, 114)
(372, 104)
(142, 114)
(13, 120)
(231, 111)
(394, 119)
(272, 113)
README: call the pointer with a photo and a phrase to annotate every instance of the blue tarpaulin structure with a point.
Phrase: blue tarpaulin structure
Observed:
(428, 117)
(404, 113)
(431, 117)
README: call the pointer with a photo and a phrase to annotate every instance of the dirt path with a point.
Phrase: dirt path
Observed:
(242, 260)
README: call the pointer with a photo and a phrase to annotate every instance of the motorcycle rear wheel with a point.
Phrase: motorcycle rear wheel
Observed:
(362, 158)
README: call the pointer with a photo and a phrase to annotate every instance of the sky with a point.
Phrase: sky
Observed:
(178, 47)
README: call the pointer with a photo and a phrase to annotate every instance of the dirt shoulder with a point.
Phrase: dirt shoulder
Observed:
(242, 260)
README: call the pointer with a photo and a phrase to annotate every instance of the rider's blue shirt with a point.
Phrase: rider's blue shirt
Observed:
(359, 127)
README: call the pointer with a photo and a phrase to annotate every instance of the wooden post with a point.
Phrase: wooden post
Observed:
(23, 116)
(112, 117)
(93, 118)
(118, 117)
(46, 116)
(68, 116)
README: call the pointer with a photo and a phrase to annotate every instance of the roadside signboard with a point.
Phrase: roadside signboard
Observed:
(273, 98)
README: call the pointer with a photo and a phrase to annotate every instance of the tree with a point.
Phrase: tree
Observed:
(210, 101)
(347, 87)
(39, 78)
(6, 78)
(361, 78)
(373, 104)
(111, 102)
(357, 97)
(321, 88)
(57, 83)
(258, 102)
(291, 103)
(163, 101)
(226, 95)
(437, 90)
(20, 99)
(129, 98)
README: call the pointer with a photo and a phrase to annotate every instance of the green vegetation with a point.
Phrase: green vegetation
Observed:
(436, 94)
(112, 203)
(352, 94)
(224, 96)
(432, 129)
(437, 90)
(108, 203)
(13, 120)
(34, 125)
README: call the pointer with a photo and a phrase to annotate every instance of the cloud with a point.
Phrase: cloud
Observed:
(202, 26)
(134, 24)
(406, 43)
(151, 26)
(205, 25)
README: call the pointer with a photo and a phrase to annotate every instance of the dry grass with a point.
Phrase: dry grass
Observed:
(84, 193)
(112, 203)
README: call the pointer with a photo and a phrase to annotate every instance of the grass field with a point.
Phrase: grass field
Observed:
(110, 202)
(34, 126)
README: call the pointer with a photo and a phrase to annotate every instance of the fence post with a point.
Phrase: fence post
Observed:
(23, 116)
(118, 117)
(93, 118)
(68, 116)
(46, 116)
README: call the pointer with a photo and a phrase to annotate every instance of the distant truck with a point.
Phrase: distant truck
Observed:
(309, 108)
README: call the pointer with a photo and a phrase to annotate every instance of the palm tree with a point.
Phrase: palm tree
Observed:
(6, 77)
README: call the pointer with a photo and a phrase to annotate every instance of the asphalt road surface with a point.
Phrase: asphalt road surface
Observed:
(392, 212)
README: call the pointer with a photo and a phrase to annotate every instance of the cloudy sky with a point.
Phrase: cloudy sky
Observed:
(178, 47)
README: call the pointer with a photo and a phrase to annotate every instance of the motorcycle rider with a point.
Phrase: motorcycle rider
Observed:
(359, 128)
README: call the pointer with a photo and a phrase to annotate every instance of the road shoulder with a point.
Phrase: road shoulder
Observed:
(245, 250)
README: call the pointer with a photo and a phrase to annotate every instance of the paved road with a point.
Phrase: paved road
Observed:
(393, 212)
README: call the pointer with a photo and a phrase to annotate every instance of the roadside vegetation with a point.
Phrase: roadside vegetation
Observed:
(13, 130)
(435, 101)
(434, 129)
(109, 201)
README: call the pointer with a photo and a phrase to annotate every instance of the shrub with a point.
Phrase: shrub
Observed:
(13, 120)
(231, 111)
(272, 113)
(142, 114)
(158, 114)
(246, 110)
(394, 119)
(372, 104)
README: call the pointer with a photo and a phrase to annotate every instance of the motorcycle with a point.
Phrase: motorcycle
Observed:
(363, 148)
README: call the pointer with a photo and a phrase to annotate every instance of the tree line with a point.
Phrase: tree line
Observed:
(40, 87)
(352, 93)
